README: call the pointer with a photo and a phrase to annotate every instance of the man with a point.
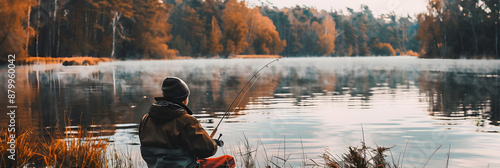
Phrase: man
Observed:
(170, 137)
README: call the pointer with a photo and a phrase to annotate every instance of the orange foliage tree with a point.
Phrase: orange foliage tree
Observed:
(383, 49)
(152, 22)
(14, 35)
(247, 30)
(263, 37)
(215, 46)
(234, 27)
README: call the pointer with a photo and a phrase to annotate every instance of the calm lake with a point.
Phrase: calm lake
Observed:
(297, 109)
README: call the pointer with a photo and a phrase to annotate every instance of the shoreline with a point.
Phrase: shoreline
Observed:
(89, 61)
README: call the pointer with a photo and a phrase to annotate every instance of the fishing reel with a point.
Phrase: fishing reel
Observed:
(218, 141)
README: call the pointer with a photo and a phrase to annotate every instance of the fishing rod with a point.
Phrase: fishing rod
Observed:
(228, 108)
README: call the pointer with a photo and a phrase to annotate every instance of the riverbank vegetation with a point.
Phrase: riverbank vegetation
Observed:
(69, 148)
(82, 148)
(151, 29)
(67, 61)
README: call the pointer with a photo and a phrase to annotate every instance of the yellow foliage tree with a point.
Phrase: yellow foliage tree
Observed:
(326, 34)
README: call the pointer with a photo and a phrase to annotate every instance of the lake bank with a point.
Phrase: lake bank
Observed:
(86, 60)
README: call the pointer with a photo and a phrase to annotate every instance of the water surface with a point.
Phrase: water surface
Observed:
(297, 109)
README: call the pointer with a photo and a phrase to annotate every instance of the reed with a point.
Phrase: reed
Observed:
(356, 157)
(74, 150)
(246, 155)
(25, 146)
(70, 148)
(361, 156)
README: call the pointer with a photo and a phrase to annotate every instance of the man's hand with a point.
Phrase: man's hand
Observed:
(219, 142)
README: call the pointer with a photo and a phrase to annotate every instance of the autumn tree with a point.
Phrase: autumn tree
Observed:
(326, 34)
(280, 20)
(263, 37)
(151, 32)
(14, 35)
(381, 49)
(234, 27)
(161, 29)
(215, 47)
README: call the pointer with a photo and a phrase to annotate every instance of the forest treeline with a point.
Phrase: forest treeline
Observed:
(459, 29)
(133, 29)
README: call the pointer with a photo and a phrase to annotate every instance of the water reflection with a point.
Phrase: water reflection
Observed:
(459, 94)
(323, 98)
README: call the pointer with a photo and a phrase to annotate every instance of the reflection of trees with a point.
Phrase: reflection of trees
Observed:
(302, 83)
(92, 97)
(299, 83)
(53, 98)
(461, 94)
(361, 81)
(215, 94)
(25, 98)
(328, 81)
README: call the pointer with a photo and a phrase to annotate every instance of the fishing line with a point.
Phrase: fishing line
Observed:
(254, 77)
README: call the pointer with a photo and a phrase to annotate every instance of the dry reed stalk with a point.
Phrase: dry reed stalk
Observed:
(25, 149)
(80, 150)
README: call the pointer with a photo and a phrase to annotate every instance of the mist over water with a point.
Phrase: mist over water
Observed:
(297, 107)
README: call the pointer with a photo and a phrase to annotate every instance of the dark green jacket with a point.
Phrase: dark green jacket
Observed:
(170, 137)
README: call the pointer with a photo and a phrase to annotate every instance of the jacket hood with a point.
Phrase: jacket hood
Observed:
(177, 102)
(163, 111)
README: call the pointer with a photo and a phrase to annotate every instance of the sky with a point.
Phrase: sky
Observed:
(378, 7)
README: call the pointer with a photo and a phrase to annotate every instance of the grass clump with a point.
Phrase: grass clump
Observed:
(80, 148)
(25, 149)
(365, 157)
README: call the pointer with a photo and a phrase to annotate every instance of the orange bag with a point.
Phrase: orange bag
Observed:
(225, 161)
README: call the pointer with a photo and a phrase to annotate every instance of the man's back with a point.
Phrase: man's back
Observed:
(170, 137)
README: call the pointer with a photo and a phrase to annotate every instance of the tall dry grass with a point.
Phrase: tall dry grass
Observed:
(74, 150)
(363, 156)
(70, 148)
(25, 149)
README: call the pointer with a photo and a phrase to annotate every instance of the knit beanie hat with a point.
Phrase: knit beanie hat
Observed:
(175, 89)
